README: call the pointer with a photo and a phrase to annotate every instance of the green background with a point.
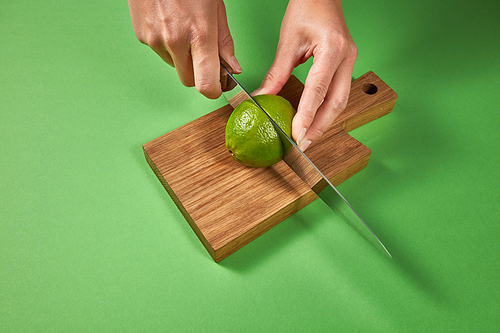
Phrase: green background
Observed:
(90, 240)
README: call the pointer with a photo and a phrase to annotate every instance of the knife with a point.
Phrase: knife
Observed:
(306, 170)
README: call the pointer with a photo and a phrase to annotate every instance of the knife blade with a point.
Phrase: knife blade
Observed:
(313, 177)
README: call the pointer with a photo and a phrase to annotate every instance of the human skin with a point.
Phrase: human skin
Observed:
(191, 35)
(188, 35)
(314, 28)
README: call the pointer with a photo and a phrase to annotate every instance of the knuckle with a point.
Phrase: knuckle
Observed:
(320, 90)
(154, 41)
(140, 36)
(199, 35)
(172, 40)
(226, 41)
(353, 51)
(207, 88)
(203, 85)
(337, 42)
(186, 80)
(307, 118)
(274, 81)
(340, 104)
(146, 37)
(151, 38)
(342, 43)
(271, 75)
(316, 133)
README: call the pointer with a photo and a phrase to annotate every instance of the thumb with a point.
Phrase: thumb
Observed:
(226, 43)
(278, 74)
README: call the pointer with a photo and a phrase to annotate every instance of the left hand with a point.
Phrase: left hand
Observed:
(314, 28)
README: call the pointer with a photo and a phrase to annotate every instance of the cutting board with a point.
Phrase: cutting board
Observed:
(228, 204)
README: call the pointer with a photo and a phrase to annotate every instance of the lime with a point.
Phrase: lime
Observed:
(251, 138)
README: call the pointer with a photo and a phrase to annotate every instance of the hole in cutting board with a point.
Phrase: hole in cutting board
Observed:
(369, 88)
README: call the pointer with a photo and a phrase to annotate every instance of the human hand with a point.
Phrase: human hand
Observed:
(188, 35)
(314, 28)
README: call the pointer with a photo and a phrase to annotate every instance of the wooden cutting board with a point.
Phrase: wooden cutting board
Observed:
(228, 204)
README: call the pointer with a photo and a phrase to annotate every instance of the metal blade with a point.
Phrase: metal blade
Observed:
(314, 178)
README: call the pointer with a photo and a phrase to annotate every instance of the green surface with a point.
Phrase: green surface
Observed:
(91, 242)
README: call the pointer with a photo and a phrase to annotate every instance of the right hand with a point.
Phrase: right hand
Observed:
(189, 35)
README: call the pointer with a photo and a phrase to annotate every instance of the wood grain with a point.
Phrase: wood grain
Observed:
(228, 204)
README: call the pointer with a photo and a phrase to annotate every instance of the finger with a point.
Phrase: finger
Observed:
(157, 44)
(178, 56)
(163, 53)
(316, 88)
(334, 103)
(205, 55)
(175, 52)
(183, 64)
(280, 70)
(226, 43)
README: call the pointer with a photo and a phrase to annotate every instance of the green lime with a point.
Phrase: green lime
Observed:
(251, 138)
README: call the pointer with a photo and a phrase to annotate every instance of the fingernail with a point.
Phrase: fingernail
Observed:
(236, 65)
(305, 145)
(301, 135)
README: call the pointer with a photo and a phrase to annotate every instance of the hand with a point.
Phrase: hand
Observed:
(314, 28)
(188, 35)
